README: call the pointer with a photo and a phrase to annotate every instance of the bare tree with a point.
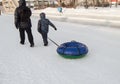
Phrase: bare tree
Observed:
(43, 4)
(103, 3)
(29, 4)
(36, 3)
(110, 3)
(116, 3)
(94, 3)
(60, 2)
(73, 1)
(86, 4)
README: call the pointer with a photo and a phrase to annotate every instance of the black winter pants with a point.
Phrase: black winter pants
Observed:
(29, 34)
(45, 37)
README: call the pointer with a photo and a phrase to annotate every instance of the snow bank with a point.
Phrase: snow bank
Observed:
(100, 16)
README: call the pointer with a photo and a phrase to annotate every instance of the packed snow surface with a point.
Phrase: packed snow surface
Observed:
(21, 64)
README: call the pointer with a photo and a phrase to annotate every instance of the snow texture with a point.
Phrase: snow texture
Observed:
(21, 64)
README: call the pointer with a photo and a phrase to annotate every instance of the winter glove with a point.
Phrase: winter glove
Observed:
(56, 29)
(16, 25)
(39, 30)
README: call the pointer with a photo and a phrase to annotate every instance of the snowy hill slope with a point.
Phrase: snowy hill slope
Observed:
(21, 64)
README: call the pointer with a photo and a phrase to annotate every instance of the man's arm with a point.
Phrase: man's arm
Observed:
(30, 13)
(16, 18)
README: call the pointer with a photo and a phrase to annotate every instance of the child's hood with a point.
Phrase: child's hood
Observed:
(42, 15)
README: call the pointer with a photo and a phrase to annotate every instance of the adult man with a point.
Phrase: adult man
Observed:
(23, 22)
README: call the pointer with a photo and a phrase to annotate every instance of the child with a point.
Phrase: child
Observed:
(43, 27)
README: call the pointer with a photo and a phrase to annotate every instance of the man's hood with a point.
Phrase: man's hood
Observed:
(22, 3)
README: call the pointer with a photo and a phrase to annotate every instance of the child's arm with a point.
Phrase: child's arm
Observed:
(51, 24)
(39, 27)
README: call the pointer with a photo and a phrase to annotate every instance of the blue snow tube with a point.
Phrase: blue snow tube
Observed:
(72, 49)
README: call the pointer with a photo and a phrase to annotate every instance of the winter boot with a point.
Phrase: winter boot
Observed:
(32, 45)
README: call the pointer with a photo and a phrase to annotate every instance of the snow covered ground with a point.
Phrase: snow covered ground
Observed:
(21, 64)
(101, 16)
